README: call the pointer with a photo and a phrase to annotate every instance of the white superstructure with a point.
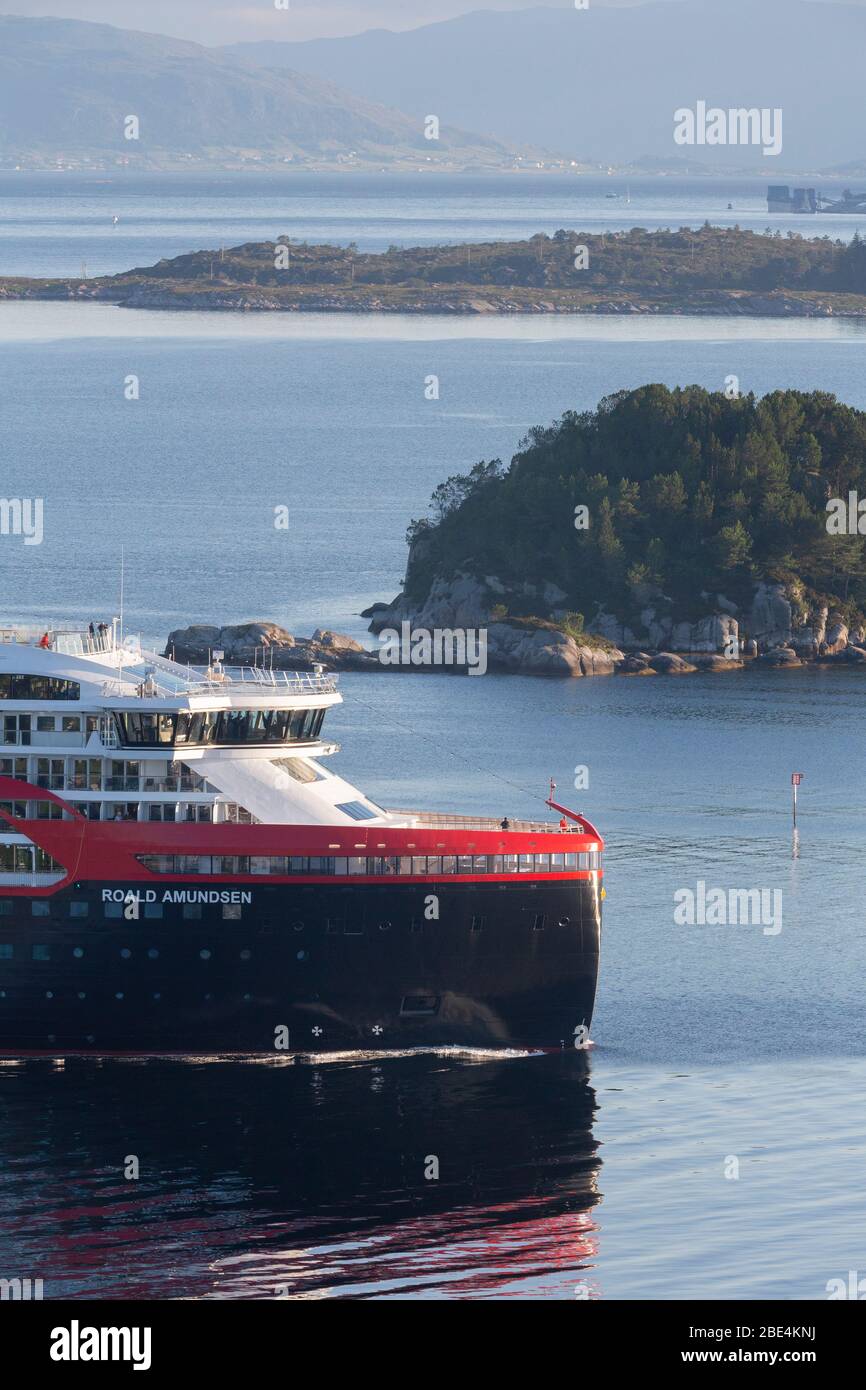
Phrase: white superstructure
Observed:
(124, 734)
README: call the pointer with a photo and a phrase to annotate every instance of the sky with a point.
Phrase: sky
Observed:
(235, 21)
(214, 22)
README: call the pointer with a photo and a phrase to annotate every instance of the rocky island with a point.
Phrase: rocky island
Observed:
(713, 271)
(266, 644)
(665, 532)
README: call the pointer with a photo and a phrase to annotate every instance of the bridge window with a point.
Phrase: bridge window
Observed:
(227, 727)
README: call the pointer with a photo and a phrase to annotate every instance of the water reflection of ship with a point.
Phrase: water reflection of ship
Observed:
(309, 1181)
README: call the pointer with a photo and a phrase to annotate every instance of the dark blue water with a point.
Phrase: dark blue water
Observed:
(711, 1145)
(239, 416)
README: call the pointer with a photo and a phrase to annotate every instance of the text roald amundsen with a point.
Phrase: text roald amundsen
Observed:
(176, 895)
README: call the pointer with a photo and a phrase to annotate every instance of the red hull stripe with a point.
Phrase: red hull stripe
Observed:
(107, 850)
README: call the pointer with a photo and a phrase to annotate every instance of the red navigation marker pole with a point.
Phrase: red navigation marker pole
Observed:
(796, 779)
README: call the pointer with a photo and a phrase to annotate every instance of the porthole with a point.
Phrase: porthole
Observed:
(205, 954)
(564, 922)
(90, 1038)
(49, 994)
(81, 994)
(245, 955)
(384, 926)
(119, 994)
(247, 998)
(125, 954)
(153, 953)
(78, 952)
(156, 996)
(303, 955)
(208, 998)
(297, 926)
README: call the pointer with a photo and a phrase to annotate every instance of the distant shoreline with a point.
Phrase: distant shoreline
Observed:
(472, 303)
(712, 271)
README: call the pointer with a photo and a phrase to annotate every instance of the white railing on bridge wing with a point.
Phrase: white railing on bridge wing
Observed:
(71, 641)
(246, 680)
(443, 821)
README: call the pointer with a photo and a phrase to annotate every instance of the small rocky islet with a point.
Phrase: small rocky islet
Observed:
(533, 648)
(696, 530)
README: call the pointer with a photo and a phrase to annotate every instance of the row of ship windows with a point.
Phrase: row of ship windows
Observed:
(107, 774)
(40, 951)
(220, 726)
(38, 688)
(198, 812)
(78, 909)
(192, 911)
(373, 866)
(231, 727)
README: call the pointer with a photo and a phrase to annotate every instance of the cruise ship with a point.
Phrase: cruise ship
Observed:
(181, 871)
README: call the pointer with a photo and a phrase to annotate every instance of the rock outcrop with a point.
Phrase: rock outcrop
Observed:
(779, 656)
(267, 644)
(669, 664)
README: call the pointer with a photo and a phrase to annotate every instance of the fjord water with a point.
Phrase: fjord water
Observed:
(64, 223)
(601, 1175)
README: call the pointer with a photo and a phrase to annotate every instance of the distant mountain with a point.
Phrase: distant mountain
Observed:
(603, 83)
(66, 89)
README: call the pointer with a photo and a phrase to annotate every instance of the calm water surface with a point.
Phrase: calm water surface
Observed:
(53, 224)
(600, 1175)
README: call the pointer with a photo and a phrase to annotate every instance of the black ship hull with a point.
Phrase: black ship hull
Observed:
(197, 967)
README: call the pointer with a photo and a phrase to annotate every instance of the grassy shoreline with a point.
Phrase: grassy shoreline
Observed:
(712, 271)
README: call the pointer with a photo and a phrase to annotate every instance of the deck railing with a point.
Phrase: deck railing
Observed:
(444, 821)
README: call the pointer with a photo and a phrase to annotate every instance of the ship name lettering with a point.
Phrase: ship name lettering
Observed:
(178, 895)
(206, 895)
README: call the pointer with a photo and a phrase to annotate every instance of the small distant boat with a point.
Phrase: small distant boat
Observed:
(114, 221)
(611, 195)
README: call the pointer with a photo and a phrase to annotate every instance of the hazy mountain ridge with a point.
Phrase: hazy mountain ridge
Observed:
(603, 83)
(67, 87)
